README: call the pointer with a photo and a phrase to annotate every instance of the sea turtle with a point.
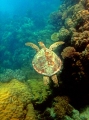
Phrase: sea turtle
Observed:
(46, 62)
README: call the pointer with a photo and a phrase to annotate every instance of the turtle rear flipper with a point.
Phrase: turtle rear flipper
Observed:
(55, 45)
(55, 80)
(32, 45)
(46, 80)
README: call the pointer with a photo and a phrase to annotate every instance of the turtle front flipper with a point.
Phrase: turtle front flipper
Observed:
(55, 45)
(32, 45)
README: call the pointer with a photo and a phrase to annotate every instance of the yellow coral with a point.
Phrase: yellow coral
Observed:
(14, 97)
(55, 36)
(39, 92)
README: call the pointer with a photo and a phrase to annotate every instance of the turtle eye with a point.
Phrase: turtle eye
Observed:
(46, 53)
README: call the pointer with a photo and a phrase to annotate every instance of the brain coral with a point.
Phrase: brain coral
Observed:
(15, 101)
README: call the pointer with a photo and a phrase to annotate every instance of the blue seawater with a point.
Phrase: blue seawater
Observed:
(23, 21)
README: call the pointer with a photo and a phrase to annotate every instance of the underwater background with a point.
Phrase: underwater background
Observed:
(23, 95)
(20, 22)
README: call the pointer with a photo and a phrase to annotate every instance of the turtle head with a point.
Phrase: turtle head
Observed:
(41, 44)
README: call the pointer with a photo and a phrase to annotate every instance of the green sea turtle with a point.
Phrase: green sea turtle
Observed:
(46, 62)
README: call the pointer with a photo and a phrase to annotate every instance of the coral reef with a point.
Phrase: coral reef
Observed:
(55, 19)
(84, 112)
(40, 93)
(69, 23)
(71, 16)
(75, 55)
(15, 101)
(18, 100)
(9, 74)
(63, 34)
(75, 115)
(69, 52)
(73, 28)
(61, 106)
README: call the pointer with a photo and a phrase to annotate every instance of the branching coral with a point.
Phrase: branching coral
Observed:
(61, 106)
